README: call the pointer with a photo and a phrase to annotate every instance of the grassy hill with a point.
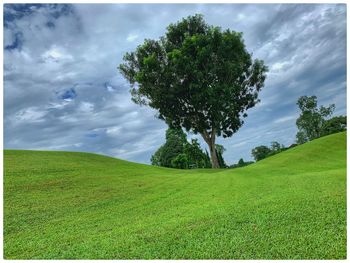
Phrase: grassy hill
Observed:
(79, 205)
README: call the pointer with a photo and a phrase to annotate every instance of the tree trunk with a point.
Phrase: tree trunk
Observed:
(210, 140)
(214, 157)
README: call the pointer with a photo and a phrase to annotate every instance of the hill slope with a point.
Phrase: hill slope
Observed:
(78, 205)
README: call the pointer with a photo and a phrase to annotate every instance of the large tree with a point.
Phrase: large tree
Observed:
(198, 77)
(312, 119)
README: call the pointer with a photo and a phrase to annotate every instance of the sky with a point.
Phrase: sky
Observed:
(63, 91)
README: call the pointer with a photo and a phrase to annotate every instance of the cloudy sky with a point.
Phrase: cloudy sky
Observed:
(62, 90)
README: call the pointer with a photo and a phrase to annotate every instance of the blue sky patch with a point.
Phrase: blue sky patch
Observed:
(68, 94)
(92, 135)
(17, 43)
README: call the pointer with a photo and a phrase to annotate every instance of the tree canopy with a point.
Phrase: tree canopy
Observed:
(260, 152)
(198, 77)
(312, 119)
(333, 125)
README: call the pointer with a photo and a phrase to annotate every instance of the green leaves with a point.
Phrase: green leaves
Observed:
(260, 152)
(333, 125)
(177, 152)
(312, 120)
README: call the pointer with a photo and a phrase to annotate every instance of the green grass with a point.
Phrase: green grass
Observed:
(63, 205)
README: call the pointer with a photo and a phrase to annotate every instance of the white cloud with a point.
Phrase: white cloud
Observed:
(113, 131)
(285, 119)
(132, 37)
(86, 107)
(56, 54)
(109, 88)
(58, 105)
(278, 66)
(32, 114)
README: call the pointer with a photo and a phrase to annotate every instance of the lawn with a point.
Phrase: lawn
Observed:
(64, 205)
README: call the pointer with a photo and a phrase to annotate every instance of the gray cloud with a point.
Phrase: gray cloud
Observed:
(51, 51)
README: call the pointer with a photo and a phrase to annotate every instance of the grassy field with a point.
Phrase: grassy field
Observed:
(62, 205)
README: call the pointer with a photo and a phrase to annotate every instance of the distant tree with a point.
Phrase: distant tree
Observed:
(334, 125)
(180, 161)
(276, 147)
(260, 152)
(311, 119)
(198, 77)
(220, 149)
(301, 137)
(241, 163)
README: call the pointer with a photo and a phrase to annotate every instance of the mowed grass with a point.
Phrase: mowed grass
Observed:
(63, 205)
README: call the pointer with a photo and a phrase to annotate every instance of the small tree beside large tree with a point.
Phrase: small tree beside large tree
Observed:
(177, 152)
(198, 77)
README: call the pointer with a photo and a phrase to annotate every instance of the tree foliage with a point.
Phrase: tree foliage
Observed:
(180, 161)
(333, 125)
(177, 152)
(312, 119)
(198, 77)
(174, 145)
(207, 159)
(156, 157)
(196, 157)
(262, 151)
(276, 147)
(241, 163)
(220, 149)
